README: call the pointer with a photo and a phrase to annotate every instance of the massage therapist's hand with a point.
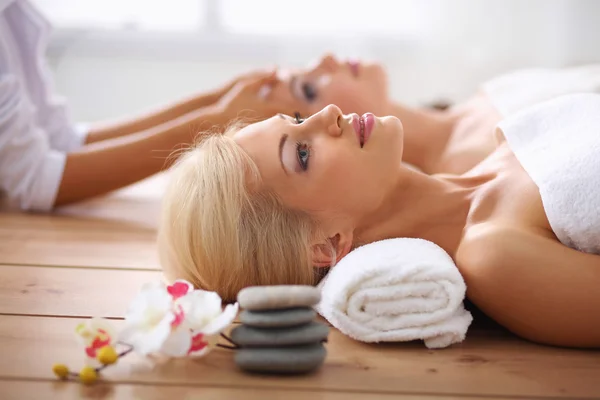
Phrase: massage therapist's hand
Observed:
(247, 99)
(227, 86)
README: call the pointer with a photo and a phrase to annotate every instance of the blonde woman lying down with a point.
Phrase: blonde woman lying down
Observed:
(275, 201)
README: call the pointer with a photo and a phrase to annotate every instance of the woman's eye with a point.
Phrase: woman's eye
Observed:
(309, 92)
(303, 152)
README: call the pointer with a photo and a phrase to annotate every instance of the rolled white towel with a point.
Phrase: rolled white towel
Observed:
(397, 290)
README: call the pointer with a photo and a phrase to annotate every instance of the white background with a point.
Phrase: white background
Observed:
(116, 57)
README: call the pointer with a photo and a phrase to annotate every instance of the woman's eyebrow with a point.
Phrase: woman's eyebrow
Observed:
(281, 144)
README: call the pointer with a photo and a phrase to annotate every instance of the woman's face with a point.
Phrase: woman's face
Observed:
(353, 86)
(334, 166)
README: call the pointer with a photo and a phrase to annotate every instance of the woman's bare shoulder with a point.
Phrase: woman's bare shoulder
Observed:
(496, 244)
(532, 284)
(487, 243)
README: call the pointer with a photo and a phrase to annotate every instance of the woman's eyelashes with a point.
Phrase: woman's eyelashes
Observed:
(303, 155)
(302, 149)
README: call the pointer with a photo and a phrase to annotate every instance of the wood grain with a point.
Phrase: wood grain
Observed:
(498, 365)
(68, 241)
(117, 230)
(69, 291)
(30, 390)
(138, 204)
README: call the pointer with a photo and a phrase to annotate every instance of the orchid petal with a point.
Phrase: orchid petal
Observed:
(211, 342)
(104, 326)
(146, 341)
(149, 306)
(179, 288)
(94, 334)
(177, 343)
(200, 308)
(222, 321)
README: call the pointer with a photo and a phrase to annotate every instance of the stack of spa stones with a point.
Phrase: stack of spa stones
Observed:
(279, 333)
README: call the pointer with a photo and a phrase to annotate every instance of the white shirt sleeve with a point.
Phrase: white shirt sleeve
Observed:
(30, 170)
(30, 32)
(53, 116)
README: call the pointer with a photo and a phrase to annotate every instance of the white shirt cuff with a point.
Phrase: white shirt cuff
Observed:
(47, 183)
(81, 133)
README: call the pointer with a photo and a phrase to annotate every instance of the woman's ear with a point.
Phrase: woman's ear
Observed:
(332, 250)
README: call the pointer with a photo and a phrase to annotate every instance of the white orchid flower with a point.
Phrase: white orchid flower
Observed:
(148, 320)
(175, 320)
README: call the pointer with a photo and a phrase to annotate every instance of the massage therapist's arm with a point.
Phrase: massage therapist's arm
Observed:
(152, 119)
(112, 164)
(534, 286)
(166, 114)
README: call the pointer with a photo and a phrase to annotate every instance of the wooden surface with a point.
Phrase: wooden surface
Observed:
(90, 259)
(27, 290)
(27, 390)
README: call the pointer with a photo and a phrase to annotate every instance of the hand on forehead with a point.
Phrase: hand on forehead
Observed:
(282, 92)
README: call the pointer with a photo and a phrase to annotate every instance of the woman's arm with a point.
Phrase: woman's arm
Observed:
(166, 114)
(533, 285)
(112, 164)
(150, 120)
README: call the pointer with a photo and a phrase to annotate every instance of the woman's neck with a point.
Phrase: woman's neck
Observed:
(426, 133)
(433, 208)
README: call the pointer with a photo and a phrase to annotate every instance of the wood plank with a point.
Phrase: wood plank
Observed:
(138, 204)
(117, 230)
(82, 292)
(30, 390)
(69, 291)
(67, 241)
(484, 365)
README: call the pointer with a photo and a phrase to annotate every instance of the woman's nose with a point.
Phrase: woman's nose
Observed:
(331, 119)
(329, 63)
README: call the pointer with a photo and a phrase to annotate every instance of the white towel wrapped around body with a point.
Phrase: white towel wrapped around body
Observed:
(557, 143)
(397, 290)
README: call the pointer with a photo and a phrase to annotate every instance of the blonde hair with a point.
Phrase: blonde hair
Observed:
(222, 230)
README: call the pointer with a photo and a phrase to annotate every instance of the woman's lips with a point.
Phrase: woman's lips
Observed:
(358, 125)
(354, 67)
(363, 126)
(368, 124)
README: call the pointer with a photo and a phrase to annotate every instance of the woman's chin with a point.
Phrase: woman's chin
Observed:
(393, 123)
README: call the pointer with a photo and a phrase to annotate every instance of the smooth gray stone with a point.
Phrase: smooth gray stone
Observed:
(278, 318)
(248, 336)
(282, 360)
(278, 297)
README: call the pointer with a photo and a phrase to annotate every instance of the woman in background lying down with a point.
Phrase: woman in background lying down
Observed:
(275, 201)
